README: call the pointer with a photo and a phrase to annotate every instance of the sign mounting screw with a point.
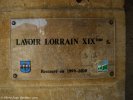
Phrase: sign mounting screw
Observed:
(13, 23)
(111, 22)
(15, 75)
(111, 73)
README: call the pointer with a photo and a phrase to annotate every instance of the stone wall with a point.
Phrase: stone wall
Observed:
(88, 89)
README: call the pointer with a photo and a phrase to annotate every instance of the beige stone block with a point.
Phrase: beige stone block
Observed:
(41, 4)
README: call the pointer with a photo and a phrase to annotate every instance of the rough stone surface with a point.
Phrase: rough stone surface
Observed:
(41, 4)
(95, 89)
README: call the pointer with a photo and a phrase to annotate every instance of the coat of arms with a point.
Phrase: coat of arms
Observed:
(25, 66)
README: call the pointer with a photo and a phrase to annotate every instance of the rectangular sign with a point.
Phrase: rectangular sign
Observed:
(62, 48)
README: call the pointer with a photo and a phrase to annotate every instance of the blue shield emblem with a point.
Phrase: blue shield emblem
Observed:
(25, 66)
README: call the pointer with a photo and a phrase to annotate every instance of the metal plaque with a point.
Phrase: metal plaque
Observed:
(62, 48)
